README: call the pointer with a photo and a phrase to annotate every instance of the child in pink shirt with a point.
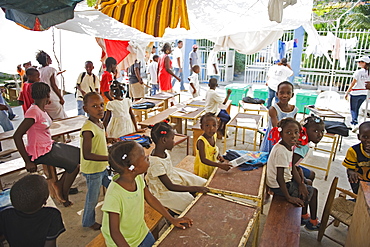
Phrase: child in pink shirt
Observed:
(40, 147)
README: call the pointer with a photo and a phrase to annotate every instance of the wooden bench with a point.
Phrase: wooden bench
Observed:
(160, 116)
(283, 224)
(153, 219)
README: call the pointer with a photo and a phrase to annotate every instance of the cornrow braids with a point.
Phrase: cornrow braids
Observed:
(117, 89)
(40, 90)
(161, 129)
(42, 57)
(311, 120)
(285, 121)
(121, 155)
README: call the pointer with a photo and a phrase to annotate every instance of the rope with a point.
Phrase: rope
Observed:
(59, 66)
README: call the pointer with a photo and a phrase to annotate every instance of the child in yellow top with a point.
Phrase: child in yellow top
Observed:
(207, 153)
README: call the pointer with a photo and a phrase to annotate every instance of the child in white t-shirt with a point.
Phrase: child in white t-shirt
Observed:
(194, 86)
(153, 72)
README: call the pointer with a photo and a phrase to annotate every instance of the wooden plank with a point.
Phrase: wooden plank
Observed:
(283, 224)
(8, 151)
(160, 116)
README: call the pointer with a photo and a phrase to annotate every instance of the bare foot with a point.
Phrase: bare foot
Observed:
(58, 192)
(96, 226)
(67, 204)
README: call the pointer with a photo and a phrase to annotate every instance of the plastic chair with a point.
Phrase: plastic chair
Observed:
(339, 208)
(327, 99)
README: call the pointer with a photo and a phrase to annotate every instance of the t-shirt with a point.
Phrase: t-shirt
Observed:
(280, 156)
(277, 74)
(45, 74)
(177, 53)
(98, 146)
(131, 73)
(130, 207)
(194, 58)
(361, 77)
(153, 70)
(212, 102)
(105, 82)
(194, 78)
(25, 96)
(302, 151)
(358, 160)
(212, 59)
(39, 140)
(22, 229)
(88, 84)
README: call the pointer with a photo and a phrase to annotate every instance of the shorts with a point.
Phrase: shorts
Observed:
(306, 172)
(137, 90)
(293, 191)
(61, 155)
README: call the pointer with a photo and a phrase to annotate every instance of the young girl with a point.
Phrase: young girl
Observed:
(48, 75)
(123, 120)
(283, 178)
(40, 147)
(357, 89)
(207, 153)
(170, 185)
(94, 156)
(123, 209)
(278, 111)
(315, 129)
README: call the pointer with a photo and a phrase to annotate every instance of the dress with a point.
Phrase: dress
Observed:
(176, 201)
(54, 109)
(120, 124)
(164, 78)
(212, 152)
(266, 145)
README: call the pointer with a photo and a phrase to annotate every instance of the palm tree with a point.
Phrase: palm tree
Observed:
(359, 18)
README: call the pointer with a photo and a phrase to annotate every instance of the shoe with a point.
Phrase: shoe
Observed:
(184, 90)
(73, 191)
(13, 117)
(304, 221)
(354, 127)
(309, 226)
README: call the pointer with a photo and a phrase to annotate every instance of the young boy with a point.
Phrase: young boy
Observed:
(107, 78)
(25, 98)
(28, 223)
(357, 159)
(194, 81)
(212, 102)
(152, 70)
(94, 156)
(86, 82)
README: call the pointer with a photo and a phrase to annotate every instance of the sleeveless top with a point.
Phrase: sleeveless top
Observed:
(164, 78)
(211, 152)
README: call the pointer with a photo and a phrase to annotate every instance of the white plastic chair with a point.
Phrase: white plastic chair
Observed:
(327, 100)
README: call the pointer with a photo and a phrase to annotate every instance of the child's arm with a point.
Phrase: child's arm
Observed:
(224, 165)
(167, 61)
(181, 188)
(273, 116)
(55, 88)
(183, 222)
(227, 96)
(86, 148)
(50, 243)
(299, 178)
(106, 118)
(192, 85)
(114, 230)
(78, 86)
(18, 134)
(284, 190)
(353, 176)
(133, 119)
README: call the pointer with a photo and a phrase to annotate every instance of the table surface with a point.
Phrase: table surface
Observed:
(202, 103)
(162, 96)
(190, 115)
(57, 128)
(234, 123)
(216, 222)
(325, 112)
(161, 116)
(252, 107)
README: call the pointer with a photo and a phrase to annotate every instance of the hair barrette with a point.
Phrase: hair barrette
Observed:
(279, 129)
(166, 121)
(163, 132)
(131, 167)
(124, 156)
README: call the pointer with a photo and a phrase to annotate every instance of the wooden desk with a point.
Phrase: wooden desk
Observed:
(160, 116)
(217, 221)
(233, 123)
(249, 107)
(178, 116)
(202, 103)
(358, 233)
(158, 103)
(324, 113)
(163, 96)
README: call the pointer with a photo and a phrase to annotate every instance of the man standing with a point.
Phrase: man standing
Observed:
(177, 65)
(212, 66)
(136, 82)
(193, 57)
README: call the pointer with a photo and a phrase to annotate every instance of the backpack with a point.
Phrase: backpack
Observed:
(143, 140)
(144, 105)
(253, 100)
(82, 77)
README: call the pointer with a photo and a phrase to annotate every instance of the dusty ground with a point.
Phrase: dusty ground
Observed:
(77, 236)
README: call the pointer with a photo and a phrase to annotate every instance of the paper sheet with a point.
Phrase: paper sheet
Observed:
(246, 122)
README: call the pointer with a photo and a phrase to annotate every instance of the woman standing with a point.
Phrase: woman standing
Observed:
(164, 70)
(357, 89)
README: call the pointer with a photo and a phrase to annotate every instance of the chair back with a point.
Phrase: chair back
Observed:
(327, 99)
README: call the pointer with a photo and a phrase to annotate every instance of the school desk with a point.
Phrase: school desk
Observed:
(157, 104)
(164, 96)
(255, 123)
(261, 109)
(163, 115)
(179, 115)
(202, 103)
(217, 221)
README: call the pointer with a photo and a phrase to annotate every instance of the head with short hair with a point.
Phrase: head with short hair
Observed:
(27, 65)
(117, 89)
(43, 58)
(110, 64)
(122, 155)
(29, 193)
(155, 58)
(167, 48)
(315, 128)
(33, 75)
(285, 83)
(207, 116)
(364, 136)
(180, 44)
(195, 69)
(40, 90)
(284, 61)
(89, 95)
(212, 83)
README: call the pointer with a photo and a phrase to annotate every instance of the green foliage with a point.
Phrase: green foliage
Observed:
(239, 65)
(91, 3)
(359, 18)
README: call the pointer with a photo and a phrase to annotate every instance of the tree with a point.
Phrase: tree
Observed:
(359, 18)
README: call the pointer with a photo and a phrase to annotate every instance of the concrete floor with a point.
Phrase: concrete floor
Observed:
(77, 236)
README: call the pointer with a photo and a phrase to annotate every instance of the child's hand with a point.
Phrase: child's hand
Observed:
(353, 176)
(201, 189)
(61, 101)
(229, 91)
(141, 130)
(31, 167)
(194, 91)
(303, 191)
(225, 166)
(296, 201)
(182, 223)
(298, 144)
(221, 159)
(112, 140)
(61, 72)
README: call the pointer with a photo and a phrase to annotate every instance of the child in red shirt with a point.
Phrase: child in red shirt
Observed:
(25, 99)
(107, 78)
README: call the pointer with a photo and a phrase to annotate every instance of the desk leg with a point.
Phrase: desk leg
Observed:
(255, 141)
(187, 145)
(225, 140)
(332, 153)
(178, 124)
(243, 138)
(166, 104)
(186, 127)
(236, 134)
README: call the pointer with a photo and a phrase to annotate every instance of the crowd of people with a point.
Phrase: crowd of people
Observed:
(153, 178)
